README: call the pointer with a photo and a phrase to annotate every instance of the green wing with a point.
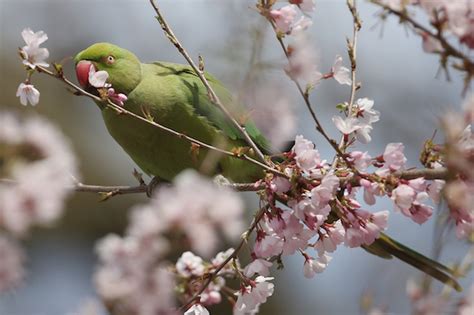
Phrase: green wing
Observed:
(204, 107)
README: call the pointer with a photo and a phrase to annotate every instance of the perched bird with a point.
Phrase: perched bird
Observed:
(176, 98)
(173, 95)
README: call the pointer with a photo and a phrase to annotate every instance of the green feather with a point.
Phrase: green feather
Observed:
(176, 98)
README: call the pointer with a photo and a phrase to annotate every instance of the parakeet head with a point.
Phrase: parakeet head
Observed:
(123, 67)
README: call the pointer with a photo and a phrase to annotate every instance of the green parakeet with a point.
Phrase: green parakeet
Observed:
(176, 98)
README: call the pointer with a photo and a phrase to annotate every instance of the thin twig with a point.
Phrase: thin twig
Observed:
(319, 126)
(352, 52)
(179, 135)
(449, 49)
(234, 254)
(212, 95)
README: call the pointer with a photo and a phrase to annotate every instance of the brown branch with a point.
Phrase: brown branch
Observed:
(426, 173)
(179, 135)
(449, 49)
(319, 126)
(212, 95)
(352, 52)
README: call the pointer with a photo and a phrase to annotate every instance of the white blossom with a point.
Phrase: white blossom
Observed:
(34, 55)
(28, 94)
(340, 73)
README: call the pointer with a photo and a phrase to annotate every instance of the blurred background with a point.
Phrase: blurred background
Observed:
(393, 69)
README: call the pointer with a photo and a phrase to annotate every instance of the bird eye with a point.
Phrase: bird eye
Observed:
(110, 59)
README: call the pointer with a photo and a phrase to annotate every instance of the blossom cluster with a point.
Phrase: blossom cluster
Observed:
(193, 213)
(293, 19)
(39, 165)
(35, 56)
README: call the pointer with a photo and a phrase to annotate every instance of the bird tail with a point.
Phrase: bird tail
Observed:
(386, 247)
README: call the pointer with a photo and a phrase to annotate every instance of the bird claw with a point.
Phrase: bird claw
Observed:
(150, 188)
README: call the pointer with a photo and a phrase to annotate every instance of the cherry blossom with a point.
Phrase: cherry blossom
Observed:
(118, 99)
(394, 157)
(34, 54)
(250, 297)
(340, 73)
(333, 236)
(258, 266)
(98, 79)
(284, 18)
(313, 266)
(189, 264)
(306, 156)
(361, 160)
(28, 94)
(41, 173)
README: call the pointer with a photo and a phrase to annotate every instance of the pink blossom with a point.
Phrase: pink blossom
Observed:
(365, 227)
(434, 190)
(268, 246)
(190, 265)
(360, 159)
(340, 73)
(313, 216)
(284, 18)
(306, 156)
(212, 294)
(403, 196)
(118, 99)
(249, 298)
(280, 184)
(198, 208)
(322, 194)
(313, 266)
(258, 266)
(42, 182)
(371, 189)
(328, 241)
(293, 233)
(419, 184)
(394, 157)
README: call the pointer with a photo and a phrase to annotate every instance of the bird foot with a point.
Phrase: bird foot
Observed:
(150, 188)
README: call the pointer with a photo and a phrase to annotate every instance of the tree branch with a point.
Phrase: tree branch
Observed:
(212, 95)
(450, 50)
(179, 135)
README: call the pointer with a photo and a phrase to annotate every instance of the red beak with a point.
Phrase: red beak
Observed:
(82, 72)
